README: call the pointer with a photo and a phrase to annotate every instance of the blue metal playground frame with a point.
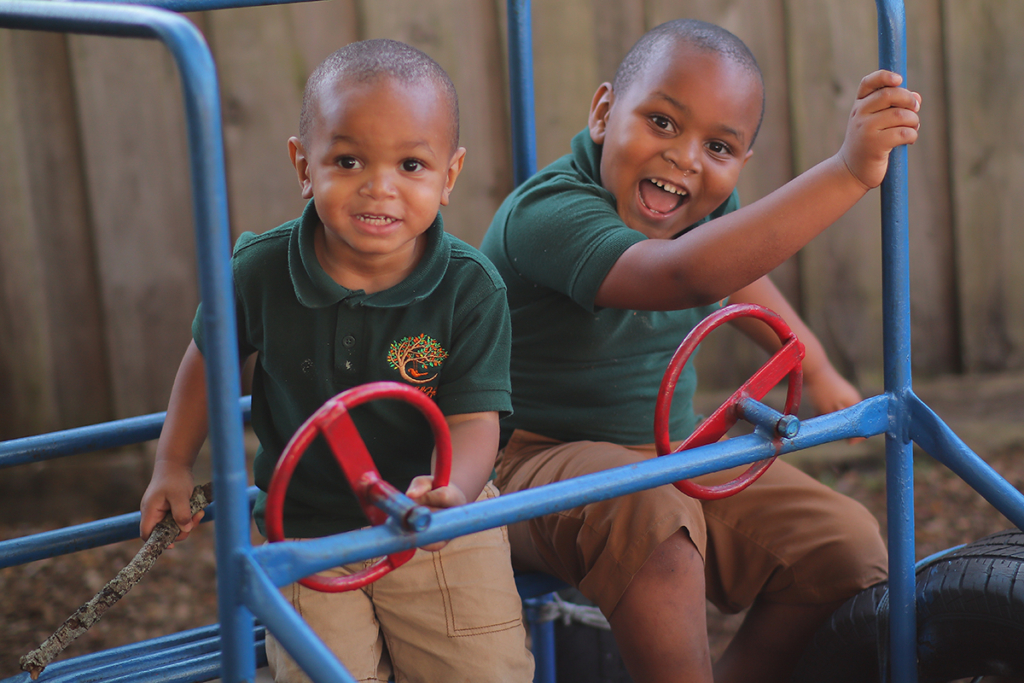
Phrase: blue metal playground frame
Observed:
(249, 577)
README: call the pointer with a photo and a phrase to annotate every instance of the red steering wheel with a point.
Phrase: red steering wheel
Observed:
(785, 361)
(334, 422)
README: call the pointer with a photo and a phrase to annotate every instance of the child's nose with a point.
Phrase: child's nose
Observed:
(378, 184)
(685, 155)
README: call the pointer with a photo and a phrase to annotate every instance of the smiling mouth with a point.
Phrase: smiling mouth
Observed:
(373, 219)
(660, 196)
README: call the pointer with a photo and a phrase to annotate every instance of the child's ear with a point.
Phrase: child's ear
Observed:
(454, 168)
(599, 108)
(746, 158)
(299, 161)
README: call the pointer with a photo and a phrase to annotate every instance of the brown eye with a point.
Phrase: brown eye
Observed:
(412, 165)
(348, 163)
(718, 148)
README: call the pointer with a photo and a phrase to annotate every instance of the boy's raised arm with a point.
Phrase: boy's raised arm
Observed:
(182, 436)
(728, 253)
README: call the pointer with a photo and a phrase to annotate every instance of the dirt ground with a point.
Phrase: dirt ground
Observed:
(180, 591)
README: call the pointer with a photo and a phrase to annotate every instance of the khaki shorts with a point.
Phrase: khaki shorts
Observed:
(452, 615)
(787, 538)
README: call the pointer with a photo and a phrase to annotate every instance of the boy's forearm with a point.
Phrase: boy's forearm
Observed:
(823, 384)
(730, 252)
(764, 293)
(474, 448)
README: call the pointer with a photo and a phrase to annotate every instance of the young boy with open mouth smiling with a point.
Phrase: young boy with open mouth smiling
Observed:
(611, 255)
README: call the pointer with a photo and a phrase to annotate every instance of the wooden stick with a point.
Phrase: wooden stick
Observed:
(88, 614)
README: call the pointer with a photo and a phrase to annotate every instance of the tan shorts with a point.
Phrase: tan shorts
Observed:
(787, 538)
(453, 615)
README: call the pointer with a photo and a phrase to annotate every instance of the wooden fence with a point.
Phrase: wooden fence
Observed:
(97, 267)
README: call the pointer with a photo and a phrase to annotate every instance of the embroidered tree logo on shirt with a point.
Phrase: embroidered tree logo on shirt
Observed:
(415, 358)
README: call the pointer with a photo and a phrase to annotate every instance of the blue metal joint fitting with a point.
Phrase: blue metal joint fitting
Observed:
(758, 414)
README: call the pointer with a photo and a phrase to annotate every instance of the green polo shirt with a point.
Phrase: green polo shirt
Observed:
(581, 372)
(444, 329)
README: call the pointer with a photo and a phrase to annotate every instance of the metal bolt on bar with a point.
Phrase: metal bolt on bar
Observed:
(766, 417)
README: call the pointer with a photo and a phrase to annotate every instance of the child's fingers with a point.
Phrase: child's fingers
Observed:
(434, 547)
(897, 135)
(419, 486)
(889, 98)
(444, 497)
(151, 516)
(876, 80)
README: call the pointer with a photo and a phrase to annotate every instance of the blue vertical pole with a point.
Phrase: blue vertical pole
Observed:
(524, 163)
(542, 637)
(520, 77)
(892, 48)
(223, 381)
(209, 197)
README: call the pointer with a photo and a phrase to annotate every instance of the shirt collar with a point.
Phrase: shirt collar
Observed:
(316, 289)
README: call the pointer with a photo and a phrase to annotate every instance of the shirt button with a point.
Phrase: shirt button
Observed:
(349, 341)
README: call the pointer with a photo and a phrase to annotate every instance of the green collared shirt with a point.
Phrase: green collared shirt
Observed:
(581, 372)
(444, 329)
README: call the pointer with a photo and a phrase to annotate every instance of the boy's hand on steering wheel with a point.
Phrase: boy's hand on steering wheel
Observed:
(420, 491)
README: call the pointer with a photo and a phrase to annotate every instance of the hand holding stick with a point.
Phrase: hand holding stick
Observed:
(88, 614)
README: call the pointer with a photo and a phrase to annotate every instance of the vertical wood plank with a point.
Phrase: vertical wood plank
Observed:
(27, 405)
(462, 36)
(832, 45)
(985, 57)
(135, 153)
(933, 304)
(264, 55)
(565, 71)
(618, 24)
(80, 379)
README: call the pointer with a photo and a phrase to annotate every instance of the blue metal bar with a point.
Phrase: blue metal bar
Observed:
(204, 5)
(289, 561)
(892, 51)
(934, 436)
(534, 584)
(213, 248)
(158, 653)
(72, 539)
(925, 561)
(96, 437)
(542, 638)
(400, 507)
(281, 619)
(520, 82)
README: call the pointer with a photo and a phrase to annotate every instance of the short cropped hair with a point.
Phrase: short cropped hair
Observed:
(370, 60)
(701, 35)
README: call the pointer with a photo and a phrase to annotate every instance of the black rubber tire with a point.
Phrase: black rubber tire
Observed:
(970, 620)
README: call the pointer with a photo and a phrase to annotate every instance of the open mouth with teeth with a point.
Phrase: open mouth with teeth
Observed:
(375, 220)
(660, 196)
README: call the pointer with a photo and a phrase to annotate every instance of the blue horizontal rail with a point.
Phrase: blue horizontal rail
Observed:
(82, 537)
(186, 656)
(287, 562)
(203, 5)
(95, 437)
